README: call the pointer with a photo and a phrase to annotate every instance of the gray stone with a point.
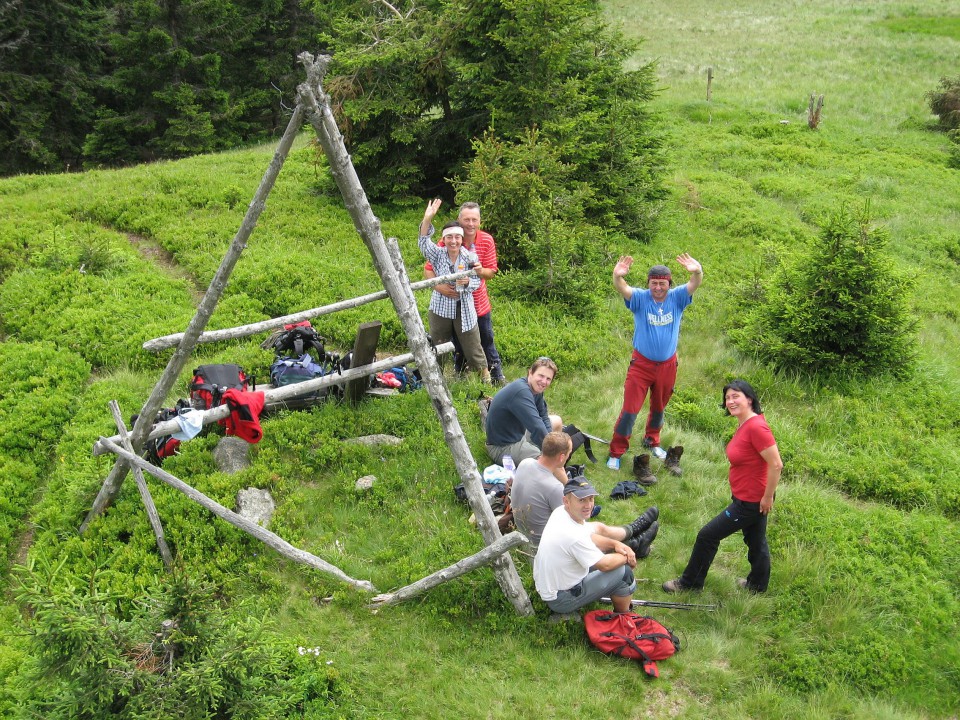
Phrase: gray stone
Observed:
(232, 455)
(256, 505)
(366, 482)
(375, 440)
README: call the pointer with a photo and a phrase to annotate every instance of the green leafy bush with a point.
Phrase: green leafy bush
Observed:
(37, 396)
(181, 654)
(546, 248)
(841, 308)
(945, 102)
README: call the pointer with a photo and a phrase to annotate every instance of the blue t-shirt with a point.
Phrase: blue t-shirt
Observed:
(656, 326)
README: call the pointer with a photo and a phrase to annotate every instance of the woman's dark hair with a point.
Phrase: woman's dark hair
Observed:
(744, 387)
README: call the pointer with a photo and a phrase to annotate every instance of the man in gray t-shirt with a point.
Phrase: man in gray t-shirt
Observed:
(535, 492)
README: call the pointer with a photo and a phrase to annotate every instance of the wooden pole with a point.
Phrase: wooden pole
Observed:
(709, 83)
(111, 486)
(251, 528)
(462, 567)
(169, 341)
(317, 105)
(152, 513)
(277, 396)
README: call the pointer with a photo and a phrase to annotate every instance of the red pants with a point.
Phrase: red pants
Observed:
(644, 375)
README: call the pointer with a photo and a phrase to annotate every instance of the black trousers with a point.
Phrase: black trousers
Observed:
(739, 516)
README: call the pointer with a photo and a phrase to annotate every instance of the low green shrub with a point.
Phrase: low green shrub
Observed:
(38, 394)
(945, 102)
(180, 654)
(840, 308)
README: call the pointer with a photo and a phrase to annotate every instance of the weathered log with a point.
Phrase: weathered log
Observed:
(145, 495)
(311, 95)
(251, 528)
(242, 331)
(200, 319)
(461, 567)
(277, 396)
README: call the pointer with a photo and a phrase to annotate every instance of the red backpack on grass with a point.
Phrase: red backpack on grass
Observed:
(632, 636)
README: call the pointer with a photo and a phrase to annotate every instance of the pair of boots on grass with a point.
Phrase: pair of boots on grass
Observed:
(641, 465)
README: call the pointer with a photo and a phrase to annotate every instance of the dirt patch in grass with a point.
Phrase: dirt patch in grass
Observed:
(159, 256)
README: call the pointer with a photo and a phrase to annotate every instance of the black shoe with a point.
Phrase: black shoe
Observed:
(643, 522)
(641, 544)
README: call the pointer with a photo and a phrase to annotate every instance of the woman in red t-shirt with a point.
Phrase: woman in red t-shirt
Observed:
(755, 467)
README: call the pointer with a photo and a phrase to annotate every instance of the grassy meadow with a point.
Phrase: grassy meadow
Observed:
(861, 618)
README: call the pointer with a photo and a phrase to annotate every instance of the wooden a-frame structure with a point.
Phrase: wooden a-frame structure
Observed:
(313, 106)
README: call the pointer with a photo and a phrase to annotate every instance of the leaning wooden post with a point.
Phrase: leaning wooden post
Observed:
(462, 567)
(317, 105)
(238, 521)
(152, 515)
(141, 428)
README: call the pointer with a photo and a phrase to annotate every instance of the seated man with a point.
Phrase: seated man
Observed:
(535, 494)
(575, 566)
(518, 419)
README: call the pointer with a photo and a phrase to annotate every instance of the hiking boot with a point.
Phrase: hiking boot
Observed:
(485, 379)
(672, 461)
(674, 586)
(744, 585)
(642, 522)
(642, 543)
(613, 463)
(641, 470)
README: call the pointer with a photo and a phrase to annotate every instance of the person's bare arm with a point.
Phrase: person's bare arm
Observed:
(694, 268)
(617, 554)
(620, 271)
(774, 468)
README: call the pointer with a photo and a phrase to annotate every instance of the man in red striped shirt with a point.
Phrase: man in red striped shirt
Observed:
(481, 243)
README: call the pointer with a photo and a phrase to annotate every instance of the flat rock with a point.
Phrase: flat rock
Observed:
(256, 505)
(374, 440)
(232, 455)
(366, 482)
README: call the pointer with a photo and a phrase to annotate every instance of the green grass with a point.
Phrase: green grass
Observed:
(861, 617)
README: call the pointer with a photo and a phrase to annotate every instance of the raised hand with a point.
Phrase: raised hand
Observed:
(433, 207)
(688, 263)
(623, 266)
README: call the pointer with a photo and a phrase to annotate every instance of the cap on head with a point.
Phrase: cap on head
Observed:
(579, 487)
(659, 272)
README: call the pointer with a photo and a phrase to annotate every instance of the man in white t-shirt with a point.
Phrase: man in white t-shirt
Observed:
(575, 566)
(535, 493)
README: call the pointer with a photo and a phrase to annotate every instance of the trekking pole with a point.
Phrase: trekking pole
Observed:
(665, 604)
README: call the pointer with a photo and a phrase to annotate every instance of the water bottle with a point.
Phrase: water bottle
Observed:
(508, 464)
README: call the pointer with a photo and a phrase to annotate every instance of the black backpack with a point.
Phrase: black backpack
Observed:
(166, 445)
(210, 382)
(297, 340)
